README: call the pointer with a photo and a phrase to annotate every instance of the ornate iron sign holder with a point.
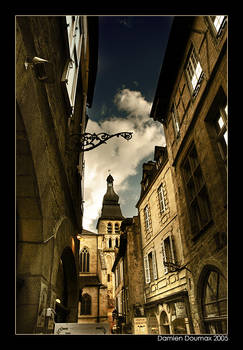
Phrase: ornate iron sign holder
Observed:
(90, 141)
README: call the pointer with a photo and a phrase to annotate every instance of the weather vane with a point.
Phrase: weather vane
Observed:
(90, 141)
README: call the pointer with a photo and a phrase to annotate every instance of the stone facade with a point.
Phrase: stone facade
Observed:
(129, 277)
(49, 167)
(165, 279)
(97, 282)
(193, 111)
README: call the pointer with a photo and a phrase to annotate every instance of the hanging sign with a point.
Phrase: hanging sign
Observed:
(180, 309)
(140, 325)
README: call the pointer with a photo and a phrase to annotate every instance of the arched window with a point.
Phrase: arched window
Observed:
(117, 228)
(214, 302)
(85, 308)
(117, 242)
(84, 260)
(109, 228)
(110, 243)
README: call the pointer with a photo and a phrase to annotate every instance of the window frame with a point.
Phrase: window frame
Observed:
(197, 197)
(216, 319)
(168, 258)
(84, 260)
(222, 131)
(86, 305)
(147, 218)
(117, 228)
(175, 121)
(150, 267)
(218, 31)
(162, 199)
(109, 228)
(74, 43)
(191, 69)
(219, 107)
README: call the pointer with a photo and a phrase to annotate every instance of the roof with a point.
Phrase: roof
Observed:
(110, 207)
(89, 281)
(151, 171)
(86, 232)
(178, 38)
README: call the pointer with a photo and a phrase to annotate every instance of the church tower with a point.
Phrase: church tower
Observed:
(108, 227)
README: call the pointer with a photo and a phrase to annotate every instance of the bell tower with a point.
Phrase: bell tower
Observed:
(108, 227)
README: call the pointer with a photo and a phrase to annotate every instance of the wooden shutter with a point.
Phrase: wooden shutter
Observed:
(146, 269)
(154, 265)
(172, 249)
(164, 258)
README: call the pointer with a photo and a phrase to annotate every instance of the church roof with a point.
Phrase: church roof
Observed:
(86, 232)
(110, 207)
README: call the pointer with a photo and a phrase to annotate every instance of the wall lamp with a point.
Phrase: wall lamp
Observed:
(90, 141)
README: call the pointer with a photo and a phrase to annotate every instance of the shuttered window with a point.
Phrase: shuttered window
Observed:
(168, 254)
(150, 267)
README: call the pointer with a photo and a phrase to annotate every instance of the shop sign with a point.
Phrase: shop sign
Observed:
(140, 325)
(81, 328)
(180, 309)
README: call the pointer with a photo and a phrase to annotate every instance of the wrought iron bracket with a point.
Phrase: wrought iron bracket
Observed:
(90, 141)
(176, 267)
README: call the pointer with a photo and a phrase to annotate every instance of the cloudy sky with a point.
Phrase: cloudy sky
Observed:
(131, 50)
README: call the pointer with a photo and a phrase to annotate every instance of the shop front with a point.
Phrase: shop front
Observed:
(169, 316)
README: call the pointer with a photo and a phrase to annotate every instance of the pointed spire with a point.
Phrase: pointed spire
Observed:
(110, 206)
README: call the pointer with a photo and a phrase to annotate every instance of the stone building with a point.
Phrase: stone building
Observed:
(56, 65)
(129, 280)
(108, 226)
(97, 256)
(191, 103)
(92, 280)
(166, 301)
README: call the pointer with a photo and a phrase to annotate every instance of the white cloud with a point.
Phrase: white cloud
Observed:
(119, 155)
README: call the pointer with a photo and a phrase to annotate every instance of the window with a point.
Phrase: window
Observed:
(168, 255)
(221, 131)
(110, 243)
(70, 74)
(85, 308)
(175, 120)
(214, 302)
(197, 196)
(109, 228)
(84, 260)
(194, 72)
(218, 23)
(147, 218)
(116, 243)
(217, 125)
(117, 228)
(161, 199)
(150, 267)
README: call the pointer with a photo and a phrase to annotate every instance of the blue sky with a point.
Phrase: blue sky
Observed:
(131, 51)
